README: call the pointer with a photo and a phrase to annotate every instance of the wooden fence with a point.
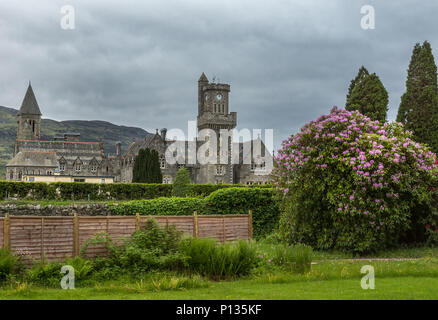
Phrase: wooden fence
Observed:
(54, 238)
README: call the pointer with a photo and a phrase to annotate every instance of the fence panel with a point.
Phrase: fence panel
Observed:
(54, 237)
(26, 237)
(58, 238)
(88, 228)
(211, 227)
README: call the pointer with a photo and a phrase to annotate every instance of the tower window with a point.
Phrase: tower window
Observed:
(219, 170)
(162, 162)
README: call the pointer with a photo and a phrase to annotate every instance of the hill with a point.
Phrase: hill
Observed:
(89, 130)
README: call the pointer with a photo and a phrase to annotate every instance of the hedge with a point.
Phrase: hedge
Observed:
(112, 191)
(231, 200)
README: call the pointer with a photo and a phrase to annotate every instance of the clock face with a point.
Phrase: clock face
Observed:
(219, 96)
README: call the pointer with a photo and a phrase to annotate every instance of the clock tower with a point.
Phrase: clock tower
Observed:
(213, 113)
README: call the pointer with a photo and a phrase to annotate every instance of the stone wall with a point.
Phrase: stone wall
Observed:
(95, 209)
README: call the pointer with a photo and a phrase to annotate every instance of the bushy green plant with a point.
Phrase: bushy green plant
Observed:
(350, 183)
(261, 201)
(152, 248)
(66, 191)
(232, 200)
(219, 261)
(10, 265)
(160, 207)
(45, 273)
(297, 258)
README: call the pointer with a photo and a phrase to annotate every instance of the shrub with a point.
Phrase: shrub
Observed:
(298, 258)
(112, 191)
(46, 274)
(160, 207)
(181, 185)
(239, 200)
(10, 264)
(151, 248)
(219, 261)
(223, 201)
(350, 183)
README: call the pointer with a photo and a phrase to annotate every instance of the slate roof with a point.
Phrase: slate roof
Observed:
(29, 104)
(34, 159)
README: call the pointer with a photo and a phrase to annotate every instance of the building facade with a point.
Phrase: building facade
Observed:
(67, 158)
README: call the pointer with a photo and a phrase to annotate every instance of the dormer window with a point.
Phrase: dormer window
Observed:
(78, 167)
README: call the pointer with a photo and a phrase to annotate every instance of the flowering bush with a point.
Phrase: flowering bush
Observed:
(354, 184)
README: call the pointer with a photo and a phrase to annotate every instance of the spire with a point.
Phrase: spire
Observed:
(203, 78)
(29, 104)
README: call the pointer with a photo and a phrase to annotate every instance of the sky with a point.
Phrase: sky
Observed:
(137, 63)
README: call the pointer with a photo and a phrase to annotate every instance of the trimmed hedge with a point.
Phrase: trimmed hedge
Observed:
(112, 191)
(236, 200)
(81, 191)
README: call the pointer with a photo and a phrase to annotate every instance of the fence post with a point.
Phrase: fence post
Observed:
(137, 221)
(75, 235)
(195, 224)
(250, 231)
(224, 236)
(42, 239)
(6, 234)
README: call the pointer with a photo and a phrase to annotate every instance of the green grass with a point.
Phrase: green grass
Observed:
(408, 252)
(332, 279)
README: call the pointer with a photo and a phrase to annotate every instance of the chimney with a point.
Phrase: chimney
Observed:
(118, 148)
(163, 134)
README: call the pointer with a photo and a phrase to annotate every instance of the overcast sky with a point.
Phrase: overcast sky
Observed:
(137, 63)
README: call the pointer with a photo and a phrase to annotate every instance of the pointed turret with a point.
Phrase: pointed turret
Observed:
(29, 106)
(203, 78)
(28, 118)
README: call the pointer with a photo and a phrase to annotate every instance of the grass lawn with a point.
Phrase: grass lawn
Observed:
(329, 279)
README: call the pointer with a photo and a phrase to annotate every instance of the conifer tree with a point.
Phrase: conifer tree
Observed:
(181, 185)
(363, 72)
(418, 109)
(369, 97)
(147, 167)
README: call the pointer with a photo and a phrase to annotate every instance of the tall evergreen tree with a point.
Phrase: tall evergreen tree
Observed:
(369, 97)
(147, 167)
(418, 108)
(363, 72)
(181, 185)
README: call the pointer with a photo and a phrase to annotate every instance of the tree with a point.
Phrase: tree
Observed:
(346, 182)
(147, 167)
(363, 72)
(368, 96)
(418, 108)
(181, 185)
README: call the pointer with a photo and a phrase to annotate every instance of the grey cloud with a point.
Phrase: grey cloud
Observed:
(137, 62)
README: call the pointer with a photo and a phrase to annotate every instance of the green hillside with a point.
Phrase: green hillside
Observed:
(89, 130)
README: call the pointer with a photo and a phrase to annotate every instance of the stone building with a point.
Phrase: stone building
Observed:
(213, 114)
(67, 158)
(56, 159)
